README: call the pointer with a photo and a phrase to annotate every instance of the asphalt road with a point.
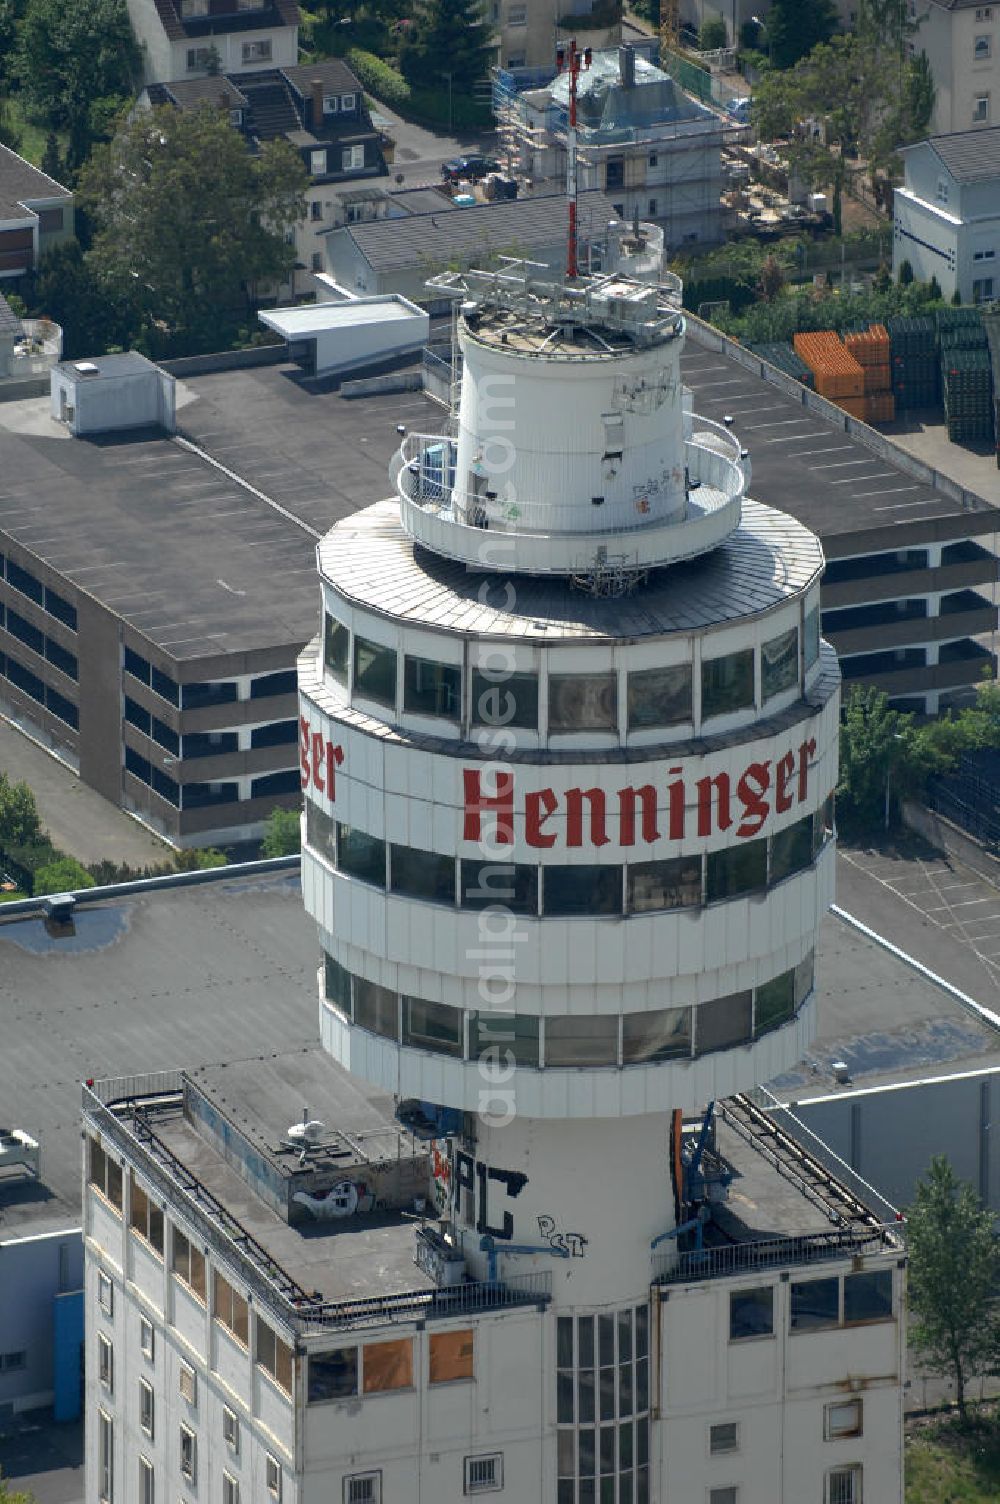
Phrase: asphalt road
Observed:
(419, 152)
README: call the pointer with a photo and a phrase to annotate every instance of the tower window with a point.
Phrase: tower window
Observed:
(727, 684)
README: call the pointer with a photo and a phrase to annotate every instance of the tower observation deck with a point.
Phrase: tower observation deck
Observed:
(568, 743)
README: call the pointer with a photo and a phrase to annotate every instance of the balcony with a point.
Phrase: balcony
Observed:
(451, 521)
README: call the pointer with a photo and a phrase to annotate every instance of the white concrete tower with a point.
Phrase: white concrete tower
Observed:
(568, 747)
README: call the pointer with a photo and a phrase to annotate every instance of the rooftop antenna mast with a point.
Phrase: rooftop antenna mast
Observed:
(573, 61)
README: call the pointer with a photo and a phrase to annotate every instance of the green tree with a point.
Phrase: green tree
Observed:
(921, 94)
(953, 1274)
(9, 133)
(905, 272)
(187, 221)
(19, 819)
(794, 27)
(283, 836)
(94, 316)
(872, 743)
(450, 40)
(713, 34)
(52, 162)
(772, 279)
(65, 875)
(70, 53)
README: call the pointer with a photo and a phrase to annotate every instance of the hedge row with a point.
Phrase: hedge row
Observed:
(424, 106)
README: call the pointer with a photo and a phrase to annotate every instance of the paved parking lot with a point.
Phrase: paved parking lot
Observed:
(801, 463)
(944, 914)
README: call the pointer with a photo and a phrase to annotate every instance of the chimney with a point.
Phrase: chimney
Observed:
(626, 67)
(317, 104)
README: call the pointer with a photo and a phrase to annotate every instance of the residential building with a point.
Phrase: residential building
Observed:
(528, 31)
(542, 942)
(651, 149)
(962, 41)
(203, 38)
(946, 215)
(320, 111)
(398, 254)
(36, 213)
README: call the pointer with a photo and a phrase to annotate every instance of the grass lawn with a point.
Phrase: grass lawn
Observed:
(32, 136)
(945, 1465)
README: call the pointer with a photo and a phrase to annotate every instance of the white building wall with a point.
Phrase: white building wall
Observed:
(34, 1270)
(961, 77)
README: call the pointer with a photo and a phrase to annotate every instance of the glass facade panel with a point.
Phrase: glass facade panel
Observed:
(738, 869)
(432, 1026)
(333, 1375)
(779, 663)
(868, 1296)
(375, 672)
(815, 1304)
(583, 702)
(337, 985)
(508, 701)
(388, 1365)
(792, 849)
(804, 979)
(432, 688)
(774, 1003)
(673, 884)
(320, 828)
(659, 697)
(727, 684)
(508, 885)
(723, 1022)
(360, 855)
(581, 1041)
(571, 891)
(422, 874)
(376, 1008)
(514, 1037)
(336, 649)
(751, 1313)
(663, 1034)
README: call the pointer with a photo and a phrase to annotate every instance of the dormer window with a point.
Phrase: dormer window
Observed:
(317, 163)
(236, 117)
(329, 104)
(194, 8)
(348, 102)
(257, 52)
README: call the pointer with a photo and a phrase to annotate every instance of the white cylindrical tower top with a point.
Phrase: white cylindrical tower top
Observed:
(570, 441)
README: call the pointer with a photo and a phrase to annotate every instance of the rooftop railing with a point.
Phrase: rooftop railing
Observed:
(775, 1253)
(121, 1110)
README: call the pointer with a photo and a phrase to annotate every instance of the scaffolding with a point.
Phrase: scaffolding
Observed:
(615, 157)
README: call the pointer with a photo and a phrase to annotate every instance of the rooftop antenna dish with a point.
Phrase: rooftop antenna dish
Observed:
(305, 1135)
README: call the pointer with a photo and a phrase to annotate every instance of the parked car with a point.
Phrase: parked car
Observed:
(468, 168)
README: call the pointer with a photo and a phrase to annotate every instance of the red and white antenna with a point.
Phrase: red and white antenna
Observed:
(572, 60)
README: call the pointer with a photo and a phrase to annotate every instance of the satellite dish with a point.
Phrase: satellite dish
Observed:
(308, 1132)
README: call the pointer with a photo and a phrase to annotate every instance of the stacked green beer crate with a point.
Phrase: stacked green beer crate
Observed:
(785, 359)
(967, 385)
(914, 361)
(991, 326)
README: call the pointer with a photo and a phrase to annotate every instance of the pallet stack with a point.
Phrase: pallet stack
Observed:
(967, 386)
(837, 375)
(870, 348)
(966, 374)
(991, 326)
(914, 362)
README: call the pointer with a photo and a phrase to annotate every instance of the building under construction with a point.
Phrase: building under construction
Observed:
(655, 152)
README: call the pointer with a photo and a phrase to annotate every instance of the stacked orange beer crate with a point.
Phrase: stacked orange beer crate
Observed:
(871, 350)
(838, 376)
